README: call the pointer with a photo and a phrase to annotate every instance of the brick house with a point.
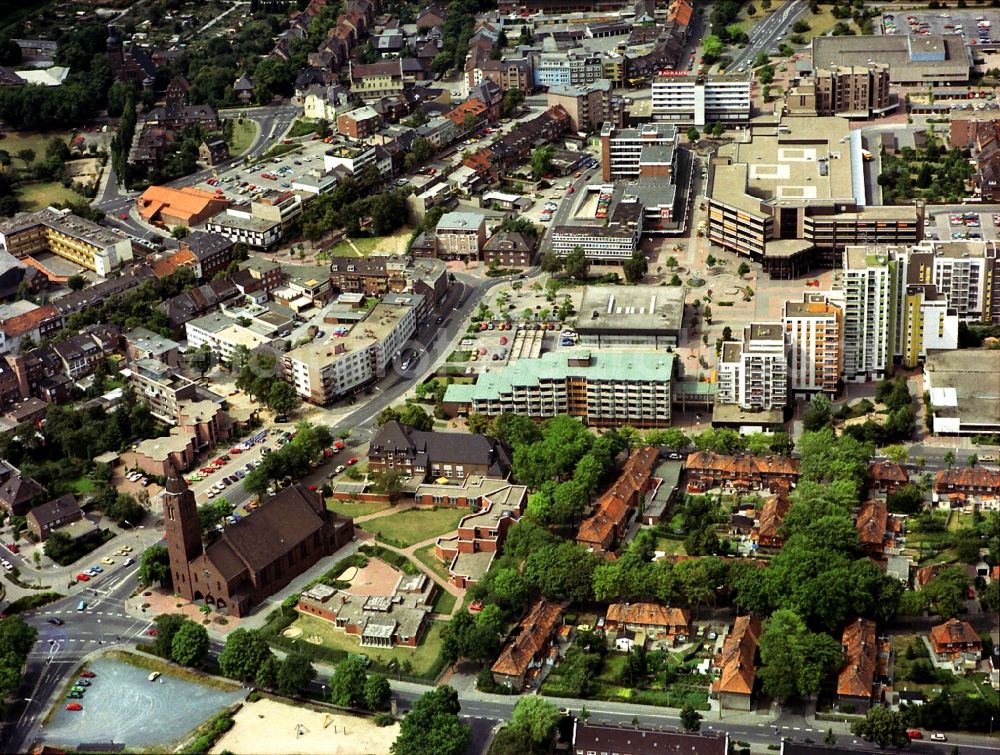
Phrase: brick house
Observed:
(525, 649)
(964, 486)
(737, 665)
(430, 455)
(42, 520)
(18, 493)
(956, 642)
(769, 524)
(856, 680)
(509, 249)
(887, 476)
(706, 470)
(872, 526)
(609, 523)
(658, 622)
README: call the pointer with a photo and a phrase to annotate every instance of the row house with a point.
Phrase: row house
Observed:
(372, 81)
(737, 665)
(708, 470)
(609, 523)
(469, 553)
(867, 660)
(655, 621)
(526, 649)
(967, 486)
(515, 148)
(872, 525)
(431, 455)
(468, 117)
(768, 531)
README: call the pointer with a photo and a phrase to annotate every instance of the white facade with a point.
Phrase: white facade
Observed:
(869, 301)
(688, 100)
(354, 159)
(622, 148)
(961, 280)
(598, 243)
(754, 373)
(813, 331)
(225, 342)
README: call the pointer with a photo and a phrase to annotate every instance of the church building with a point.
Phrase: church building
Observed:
(257, 556)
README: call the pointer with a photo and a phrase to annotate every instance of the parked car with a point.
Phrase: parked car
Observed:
(74, 706)
(56, 621)
(914, 734)
(87, 674)
(82, 577)
(108, 561)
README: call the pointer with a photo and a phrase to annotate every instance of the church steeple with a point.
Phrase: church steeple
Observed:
(180, 513)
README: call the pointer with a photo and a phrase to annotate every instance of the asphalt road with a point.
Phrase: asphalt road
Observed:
(766, 34)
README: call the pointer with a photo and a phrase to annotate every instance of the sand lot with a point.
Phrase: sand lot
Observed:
(267, 727)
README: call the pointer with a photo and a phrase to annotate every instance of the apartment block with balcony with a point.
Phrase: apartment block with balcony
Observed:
(161, 388)
(572, 68)
(602, 388)
(846, 91)
(461, 235)
(753, 373)
(588, 106)
(696, 100)
(814, 328)
(325, 370)
(867, 295)
(68, 236)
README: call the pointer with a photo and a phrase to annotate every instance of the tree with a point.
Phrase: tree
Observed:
(537, 716)
(949, 458)
(389, 482)
(267, 673)
(190, 644)
(433, 726)
(59, 547)
(908, 499)
(710, 260)
(947, 591)
(882, 726)
(711, 48)
(167, 627)
(991, 596)
(541, 161)
(751, 10)
(26, 156)
(818, 413)
(635, 267)
(690, 718)
(829, 738)
(693, 135)
(282, 398)
(551, 263)
(794, 661)
(743, 269)
(179, 231)
(377, 692)
(243, 655)
(576, 264)
(294, 674)
(765, 74)
(154, 567)
(347, 685)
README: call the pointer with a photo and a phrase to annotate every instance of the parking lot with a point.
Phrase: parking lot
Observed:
(976, 26)
(962, 224)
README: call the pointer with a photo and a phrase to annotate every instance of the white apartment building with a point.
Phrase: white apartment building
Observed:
(355, 157)
(598, 242)
(325, 370)
(754, 373)
(573, 68)
(868, 296)
(256, 233)
(814, 327)
(961, 279)
(697, 101)
(223, 336)
(621, 148)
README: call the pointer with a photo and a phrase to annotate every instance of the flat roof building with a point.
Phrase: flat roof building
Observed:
(964, 391)
(644, 316)
(698, 100)
(68, 236)
(602, 388)
(913, 59)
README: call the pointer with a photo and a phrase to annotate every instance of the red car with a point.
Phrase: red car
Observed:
(914, 734)
(207, 470)
(87, 674)
(74, 706)
(313, 488)
(151, 633)
(352, 460)
(13, 548)
(235, 450)
(339, 445)
(122, 215)
(81, 577)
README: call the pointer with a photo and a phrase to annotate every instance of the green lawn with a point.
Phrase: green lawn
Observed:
(671, 547)
(414, 525)
(83, 486)
(361, 508)
(34, 196)
(422, 657)
(243, 136)
(444, 601)
(366, 245)
(13, 141)
(427, 557)
(972, 685)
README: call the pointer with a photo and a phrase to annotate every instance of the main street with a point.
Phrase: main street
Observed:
(764, 36)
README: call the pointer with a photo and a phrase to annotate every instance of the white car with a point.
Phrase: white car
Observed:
(939, 737)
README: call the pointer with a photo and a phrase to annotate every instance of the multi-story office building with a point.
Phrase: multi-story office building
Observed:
(753, 373)
(814, 328)
(622, 149)
(603, 389)
(912, 59)
(67, 235)
(868, 293)
(325, 370)
(223, 336)
(244, 228)
(613, 237)
(697, 100)
(846, 91)
(792, 195)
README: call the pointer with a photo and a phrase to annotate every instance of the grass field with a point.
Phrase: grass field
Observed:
(671, 547)
(13, 141)
(83, 486)
(444, 602)
(37, 195)
(414, 525)
(366, 245)
(427, 557)
(361, 508)
(972, 685)
(421, 658)
(243, 136)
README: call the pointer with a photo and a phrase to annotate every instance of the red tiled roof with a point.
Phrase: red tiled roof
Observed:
(469, 107)
(166, 266)
(680, 12)
(954, 632)
(535, 629)
(738, 656)
(25, 323)
(969, 478)
(615, 504)
(771, 517)
(873, 516)
(741, 466)
(649, 614)
(888, 471)
(861, 657)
